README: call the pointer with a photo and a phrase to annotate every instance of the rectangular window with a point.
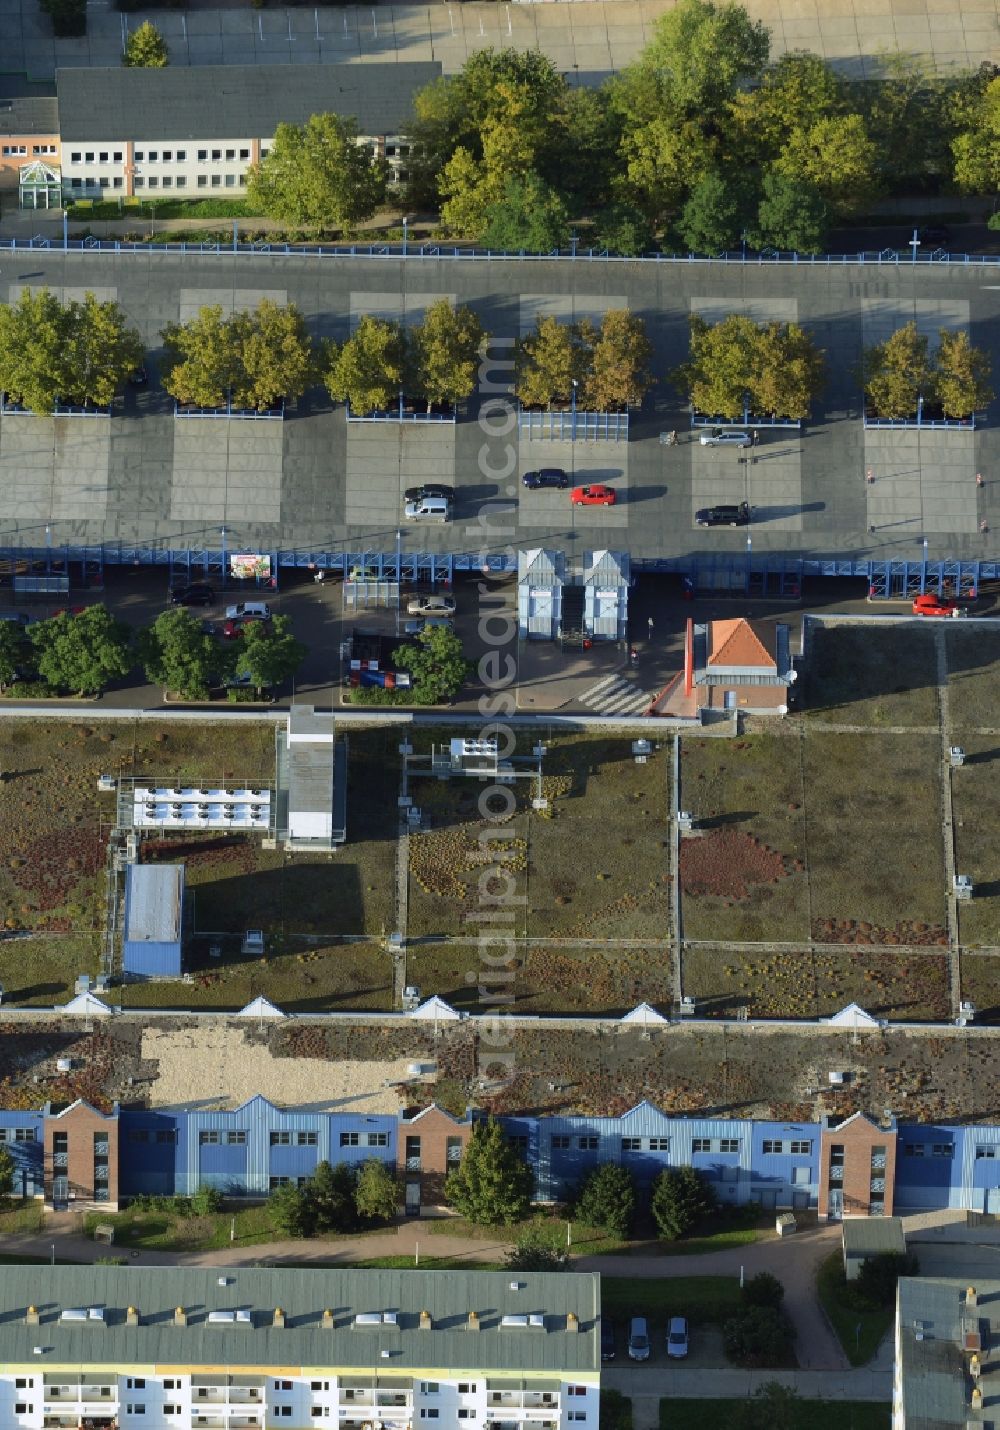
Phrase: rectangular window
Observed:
(244, 153)
(216, 181)
(465, 1413)
(282, 1385)
(319, 1385)
(202, 154)
(381, 1139)
(274, 1182)
(139, 183)
(701, 1144)
(659, 1144)
(135, 1383)
(166, 1134)
(431, 1414)
(772, 1149)
(466, 1387)
(631, 1144)
(560, 1144)
(171, 1410)
(135, 1409)
(801, 1148)
(138, 155)
(103, 156)
(429, 1387)
(230, 153)
(278, 1139)
(209, 1139)
(307, 1139)
(154, 182)
(152, 156)
(350, 1139)
(985, 1151)
(181, 182)
(587, 1144)
(181, 155)
(21, 1383)
(578, 1414)
(285, 1411)
(117, 155)
(20, 1408)
(576, 1390)
(118, 183)
(168, 154)
(88, 156)
(216, 153)
(24, 1134)
(236, 1139)
(76, 183)
(76, 157)
(171, 1385)
(729, 1144)
(168, 182)
(316, 1412)
(230, 181)
(203, 181)
(942, 1149)
(916, 1149)
(836, 1154)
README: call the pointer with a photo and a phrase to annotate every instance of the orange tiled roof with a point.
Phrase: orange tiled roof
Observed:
(739, 643)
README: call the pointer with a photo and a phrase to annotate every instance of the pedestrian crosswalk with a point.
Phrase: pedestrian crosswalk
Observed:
(614, 695)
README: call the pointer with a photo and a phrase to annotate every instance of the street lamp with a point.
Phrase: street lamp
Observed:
(399, 575)
(573, 428)
(406, 225)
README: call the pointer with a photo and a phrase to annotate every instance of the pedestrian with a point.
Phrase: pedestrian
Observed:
(756, 437)
(649, 626)
(979, 479)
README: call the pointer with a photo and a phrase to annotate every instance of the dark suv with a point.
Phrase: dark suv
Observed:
(429, 489)
(198, 593)
(738, 515)
(545, 477)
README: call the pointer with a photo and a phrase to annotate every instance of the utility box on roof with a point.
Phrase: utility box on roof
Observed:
(154, 907)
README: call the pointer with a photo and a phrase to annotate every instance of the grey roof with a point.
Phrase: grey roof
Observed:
(28, 114)
(303, 1294)
(310, 778)
(153, 903)
(934, 1382)
(873, 1235)
(233, 101)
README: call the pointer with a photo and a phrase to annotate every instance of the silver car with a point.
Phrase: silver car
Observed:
(725, 437)
(431, 606)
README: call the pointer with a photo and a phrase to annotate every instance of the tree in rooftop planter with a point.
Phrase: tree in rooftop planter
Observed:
(80, 353)
(252, 359)
(898, 373)
(445, 351)
(316, 175)
(146, 48)
(549, 360)
(617, 373)
(775, 368)
(370, 370)
(961, 375)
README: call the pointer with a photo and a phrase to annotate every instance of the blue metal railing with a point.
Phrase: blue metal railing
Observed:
(269, 414)
(884, 258)
(573, 426)
(402, 413)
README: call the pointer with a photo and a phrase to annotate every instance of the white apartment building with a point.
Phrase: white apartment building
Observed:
(193, 131)
(123, 1348)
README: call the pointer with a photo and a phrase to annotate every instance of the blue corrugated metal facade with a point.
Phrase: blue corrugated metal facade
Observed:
(154, 900)
(246, 1151)
(22, 1133)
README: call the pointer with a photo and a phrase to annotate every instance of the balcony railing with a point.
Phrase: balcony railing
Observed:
(245, 1395)
(836, 1174)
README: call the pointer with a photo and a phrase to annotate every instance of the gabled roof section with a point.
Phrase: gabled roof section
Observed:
(436, 1008)
(839, 1126)
(853, 1016)
(643, 1013)
(87, 1006)
(434, 1108)
(540, 567)
(606, 568)
(81, 1102)
(261, 1007)
(740, 643)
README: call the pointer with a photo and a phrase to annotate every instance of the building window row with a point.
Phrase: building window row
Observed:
(931, 1149)
(797, 1147)
(353, 1139)
(715, 1144)
(985, 1151)
(17, 1134)
(215, 1139)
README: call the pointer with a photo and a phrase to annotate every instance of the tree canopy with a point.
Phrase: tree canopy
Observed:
(792, 215)
(13, 646)
(376, 1191)
(962, 378)
(492, 1184)
(176, 653)
(251, 359)
(775, 367)
(702, 52)
(369, 370)
(607, 1199)
(976, 148)
(902, 369)
(146, 48)
(446, 349)
(79, 353)
(681, 1198)
(527, 214)
(317, 175)
(609, 366)
(268, 653)
(436, 664)
(714, 216)
(82, 653)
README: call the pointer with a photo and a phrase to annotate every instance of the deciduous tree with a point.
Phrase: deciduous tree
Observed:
(758, 1336)
(436, 664)
(176, 653)
(617, 373)
(82, 653)
(702, 53)
(550, 359)
(492, 1184)
(775, 367)
(663, 159)
(714, 216)
(527, 215)
(607, 1200)
(330, 1191)
(275, 358)
(976, 148)
(796, 92)
(99, 351)
(898, 372)
(202, 359)
(369, 371)
(291, 1212)
(6, 1175)
(788, 371)
(681, 1198)
(962, 384)
(77, 352)
(13, 645)
(268, 653)
(445, 353)
(792, 215)
(536, 1250)
(376, 1191)
(317, 175)
(838, 157)
(146, 48)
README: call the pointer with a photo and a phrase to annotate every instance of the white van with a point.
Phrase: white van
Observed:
(428, 509)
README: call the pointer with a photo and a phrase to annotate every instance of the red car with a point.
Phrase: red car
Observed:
(69, 611)
(928, 604)
(593, 496)
(234, 628)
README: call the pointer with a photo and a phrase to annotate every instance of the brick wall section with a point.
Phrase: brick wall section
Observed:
(434, 1128)
(80, 1123)
(858, 1137)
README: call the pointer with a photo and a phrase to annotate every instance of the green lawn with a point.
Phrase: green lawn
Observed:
(163, 208)
(23, 1217)
(872, 676)
(616, 1411)
(164, 1231)
(678, 1414)
(705, 1300)
(859, 1332)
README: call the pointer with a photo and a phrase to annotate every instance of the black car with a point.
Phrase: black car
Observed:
(607, 1339)
(429, 489)
(198, 593)
(545, 477)
(738, 515)
(138, 377)
(935, 235)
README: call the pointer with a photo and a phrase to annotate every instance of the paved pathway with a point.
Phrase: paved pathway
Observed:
(586, 40)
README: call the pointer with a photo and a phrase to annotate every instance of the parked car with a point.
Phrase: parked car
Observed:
(429, 489)
(607, 1339)
(431, 606)
(195, 593)
(638, 1339)
(928, 604)
(725, 437)
(233, 628)
(428, 509)
(596, 495)
(935, 235)
(737, 514)
(545, 477)
(138, 377)
(254, 610)
(69, 611)
(677, 1338)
